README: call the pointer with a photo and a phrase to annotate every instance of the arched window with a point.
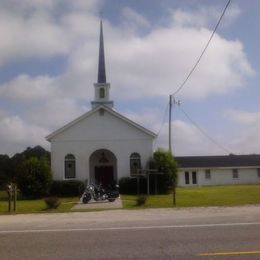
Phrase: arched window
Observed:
(101, 93)
(135, 163)
(70, 166)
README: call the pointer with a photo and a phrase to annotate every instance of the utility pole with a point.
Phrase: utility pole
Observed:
(170, 124)
(172, 101)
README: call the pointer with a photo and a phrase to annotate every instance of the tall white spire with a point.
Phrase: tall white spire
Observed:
(101, 87)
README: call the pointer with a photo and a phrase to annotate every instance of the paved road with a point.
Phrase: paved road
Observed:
(143, 234)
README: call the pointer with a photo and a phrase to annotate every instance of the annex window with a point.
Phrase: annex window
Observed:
(135, 163)
(235, 173)
(207, 174)
(258, 172)
(194, 177)
(187, 178)
(70, 166)
(101, 93)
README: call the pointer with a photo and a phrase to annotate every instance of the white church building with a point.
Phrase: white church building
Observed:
(100, 146)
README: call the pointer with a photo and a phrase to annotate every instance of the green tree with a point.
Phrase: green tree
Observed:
(5, 170)
(34, 177)
(165, 163)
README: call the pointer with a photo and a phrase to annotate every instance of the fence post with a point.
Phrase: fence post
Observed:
(14, 197)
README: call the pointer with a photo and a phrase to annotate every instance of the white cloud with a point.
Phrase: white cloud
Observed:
(17, 134)
(148, 118)
(200, 18)
(244, 117)
(138, 66)
(55, 113)
(247, 141)
(245, 138)
(134, 20)
(157, 64)
(43, 29)
(28, 89)
(34, 36)
(186, 138)
(205, 16)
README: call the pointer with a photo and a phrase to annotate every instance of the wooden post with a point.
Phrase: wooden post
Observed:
(148, 183)
(174, 195)
(9, 192)
(155, 184)
(138, 185)
(14, 197)
(9, 200)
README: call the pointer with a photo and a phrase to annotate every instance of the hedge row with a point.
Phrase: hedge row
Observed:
(127, 185)
(158, 184)
(68, 188)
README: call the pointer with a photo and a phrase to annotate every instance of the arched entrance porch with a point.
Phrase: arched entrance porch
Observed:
(103, 167)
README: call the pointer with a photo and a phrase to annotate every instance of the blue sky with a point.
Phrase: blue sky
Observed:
(48, 64)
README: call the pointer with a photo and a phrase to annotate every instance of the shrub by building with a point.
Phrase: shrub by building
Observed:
(34, 177)
(67, 188)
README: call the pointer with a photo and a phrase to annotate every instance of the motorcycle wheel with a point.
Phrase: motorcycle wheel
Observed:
(111, 200)
(86, 198)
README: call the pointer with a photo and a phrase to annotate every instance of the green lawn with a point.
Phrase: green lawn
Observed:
(186, 197)
(36, 206)
(201, 197)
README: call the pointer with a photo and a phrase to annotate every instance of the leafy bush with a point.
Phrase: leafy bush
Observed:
(160, 182)
(128, 185)
(141, 200)
(166, 165)
(34, 178)
(5, 170)
(68, 188)
(52, 202)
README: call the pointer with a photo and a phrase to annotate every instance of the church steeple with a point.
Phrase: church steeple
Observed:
(101, 58)
(101, 87)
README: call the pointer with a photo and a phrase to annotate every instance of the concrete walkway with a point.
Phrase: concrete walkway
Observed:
(117, 204)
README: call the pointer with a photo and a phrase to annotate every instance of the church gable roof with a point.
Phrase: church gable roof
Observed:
(91, 112)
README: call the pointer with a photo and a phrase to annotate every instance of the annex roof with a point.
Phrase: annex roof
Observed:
(87, 114)
(218, 161)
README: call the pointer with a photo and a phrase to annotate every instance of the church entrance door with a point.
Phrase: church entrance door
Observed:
(102, 167)
(104, 175)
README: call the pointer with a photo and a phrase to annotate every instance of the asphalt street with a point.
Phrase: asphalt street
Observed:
(206, 233)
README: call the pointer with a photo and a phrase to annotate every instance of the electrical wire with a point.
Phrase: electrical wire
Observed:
(164, 118)
(204, 50)
(162, 123)
(203, 132)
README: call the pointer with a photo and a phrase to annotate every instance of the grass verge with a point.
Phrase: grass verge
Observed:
(36, 205)
(234, 195)
(186, 197)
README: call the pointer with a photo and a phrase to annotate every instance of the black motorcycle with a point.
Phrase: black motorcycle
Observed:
(98, 193)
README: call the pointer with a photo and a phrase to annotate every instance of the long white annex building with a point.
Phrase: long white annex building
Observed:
(219, 170)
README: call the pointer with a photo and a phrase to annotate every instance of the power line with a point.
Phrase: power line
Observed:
(164, 118)
(203, 132)
(204, 50)
(162, 123)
